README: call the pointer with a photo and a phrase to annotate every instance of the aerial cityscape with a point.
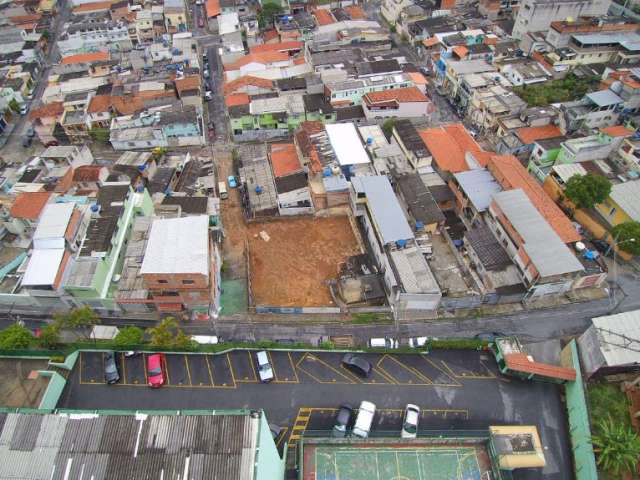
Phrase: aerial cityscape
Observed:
(320, 239)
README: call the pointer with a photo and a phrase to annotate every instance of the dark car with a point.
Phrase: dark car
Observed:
(356, 364)
(31, 132)
(111, 374)
(26, 141)
(602, 247)
(343, 420)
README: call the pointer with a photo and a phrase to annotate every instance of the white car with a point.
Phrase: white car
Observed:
(418, 342)
(264, 367)
(364, 419)
(410, 422)
(24, 109)
(208, 95)
(205, 73)
(383, 342)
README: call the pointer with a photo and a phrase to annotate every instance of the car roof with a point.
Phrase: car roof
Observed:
(262, 357)
(154, 359)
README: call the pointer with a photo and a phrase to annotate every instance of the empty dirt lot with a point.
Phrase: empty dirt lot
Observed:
(292, 268)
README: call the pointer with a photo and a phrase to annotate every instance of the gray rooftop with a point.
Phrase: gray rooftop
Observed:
(384, 207)
(112, 447)
(604, 98)
(479, 186)
(260, 185)
(413, 271)
(547, 252)
(627, 196)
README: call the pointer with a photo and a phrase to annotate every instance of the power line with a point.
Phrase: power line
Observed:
(626, 340)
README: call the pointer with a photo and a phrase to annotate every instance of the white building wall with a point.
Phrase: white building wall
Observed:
(406, 110)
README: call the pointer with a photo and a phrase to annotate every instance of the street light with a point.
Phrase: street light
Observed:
(615, 246)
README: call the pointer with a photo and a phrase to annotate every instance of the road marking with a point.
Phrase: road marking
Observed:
(315, 358)
(186, 362)
(472, 376)
(206, 359)
(124, 368)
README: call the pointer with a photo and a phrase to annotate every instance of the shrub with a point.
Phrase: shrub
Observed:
(129, 336)
(15, 337)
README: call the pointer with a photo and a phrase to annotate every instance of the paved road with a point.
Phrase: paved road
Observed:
(455, 389)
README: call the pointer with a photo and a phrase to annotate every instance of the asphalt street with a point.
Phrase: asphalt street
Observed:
(455, 389)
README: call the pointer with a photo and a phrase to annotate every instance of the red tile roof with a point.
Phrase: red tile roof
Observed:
(356, 12)
(510, 174)
(87, 173)
(528, 135)
(236, 99)
(520, 362)
(270, 35)
(85, 58)
(461, 51)
(191, 82)
(92, 7)
(417, 78)
(235, 85)
(99, 103)
(265, 58)
(324, 17)
(284, 159)
(28, 205)
(449, 145)
(213, 8)
(401, 95)
(617, 131)
(277, 47)
(52, 109)
(430, 42)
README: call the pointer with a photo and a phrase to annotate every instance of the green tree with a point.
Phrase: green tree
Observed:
(99, 134)
(587, 190)
(14, 105)
(627, 237)
(46, 34)
(267, 12)
(80, 320)
(183, 341)
(617, 446)
(129, 336)
(49, 336)
(387, 127)
(162, 336)
(15, 337)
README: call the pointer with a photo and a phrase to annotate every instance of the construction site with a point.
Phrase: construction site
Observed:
(291, 260)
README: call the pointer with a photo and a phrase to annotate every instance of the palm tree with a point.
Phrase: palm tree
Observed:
(617, 446)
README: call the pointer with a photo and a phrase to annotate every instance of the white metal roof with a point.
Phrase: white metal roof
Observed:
(604, 98)
(479, 186)
(619, 337)
(627, 196)
(567, 170)
(547, 251)
(53, 221)
(346, 144)
(178, 245)
(43, 267)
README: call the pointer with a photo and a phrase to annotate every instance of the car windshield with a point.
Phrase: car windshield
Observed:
(155, 371)
(409, 428)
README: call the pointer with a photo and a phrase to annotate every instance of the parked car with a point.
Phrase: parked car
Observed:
(206, 339)
(425, 71)
(357, 364)
(24, 109)
(26, 141)
(383, 342)
(364, 419)
(231, 180)
(52, 143)
(205, 73)
(265, 372)
(490, 336)
(343, 419)
(418, 342)
(155, 372)
(602, 247)
(111, 374)
(31, 132)
(208, 95)
(132, 353)
(410, 422)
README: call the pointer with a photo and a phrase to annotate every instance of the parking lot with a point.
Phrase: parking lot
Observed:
(455, 389)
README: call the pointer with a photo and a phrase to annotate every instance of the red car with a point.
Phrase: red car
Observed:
(155, 373)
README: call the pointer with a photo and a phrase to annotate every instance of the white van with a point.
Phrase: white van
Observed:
(364, 419)
(264, 367)
(383, 342)
(222, 189)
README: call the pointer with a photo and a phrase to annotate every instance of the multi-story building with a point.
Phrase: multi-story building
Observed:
(144, 26)
(175, 16)
(350, 92)
(94, 32)
(596, 110)
(398, 103)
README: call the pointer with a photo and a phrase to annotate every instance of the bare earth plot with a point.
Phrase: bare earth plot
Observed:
(18, 387)
(292, 268)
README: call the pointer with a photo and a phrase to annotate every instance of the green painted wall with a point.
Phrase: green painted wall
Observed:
(269, 465)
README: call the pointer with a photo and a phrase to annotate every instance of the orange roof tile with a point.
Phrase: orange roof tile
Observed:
(402, 95)
(290, 34)
(510, 174)
(28, 205)
(52, 109)
(266, 58)
(324, 17)
(430, 42)
(418, 78)
(461, 51)
(449, 145)
(87, 173)
(127, 105)
(490, 40)
(617, 131)
(520, 362)
(235, 85)
(356, 12)
(277, 47)
(92, 7)
(447, 4)
(528, 135)
(270, 35)
(20, 19)
(284, 159)
(299, 60)
(236, 99)
(99, 103)
(213, 8)
(85, 58)
(190, 82)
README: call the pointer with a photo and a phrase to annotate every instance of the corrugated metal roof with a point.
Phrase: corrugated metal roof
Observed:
(567, 170)
(43, 267)
(53, 221)
(619, 337)
(604, 98)
(385, 209)
(479, 186)
(627, 196)
(544, 247)
(216, 447)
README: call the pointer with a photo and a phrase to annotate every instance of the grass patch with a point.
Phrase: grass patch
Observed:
(607, 399)
(564, 90)
(369, 317)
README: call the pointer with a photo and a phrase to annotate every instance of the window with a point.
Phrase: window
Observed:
(163, 281)
(188, 282)
(612, 212)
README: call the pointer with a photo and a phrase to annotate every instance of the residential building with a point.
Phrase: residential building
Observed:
(473, 191)
(525, 72)
(391, 9)
(175, 16)
(537, 15)
(543, 156)
(181, 265)
(623, 204)
(410, 284)
(24, 213)
(421, 206)
(399, 103)
(94, 32)
(294, 195)
(144, 26)
(411, 143)
(350, 92)
(544, 262)
(596, 110)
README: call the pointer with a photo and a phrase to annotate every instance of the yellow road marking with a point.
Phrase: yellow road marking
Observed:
(124, 369)
(186, 362)
(472, 376)
(410, 369)
(206, 360)
(253, 367)
(437, 367)
(316, 359)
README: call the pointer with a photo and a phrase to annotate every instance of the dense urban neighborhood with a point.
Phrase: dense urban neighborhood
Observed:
(320, 239)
